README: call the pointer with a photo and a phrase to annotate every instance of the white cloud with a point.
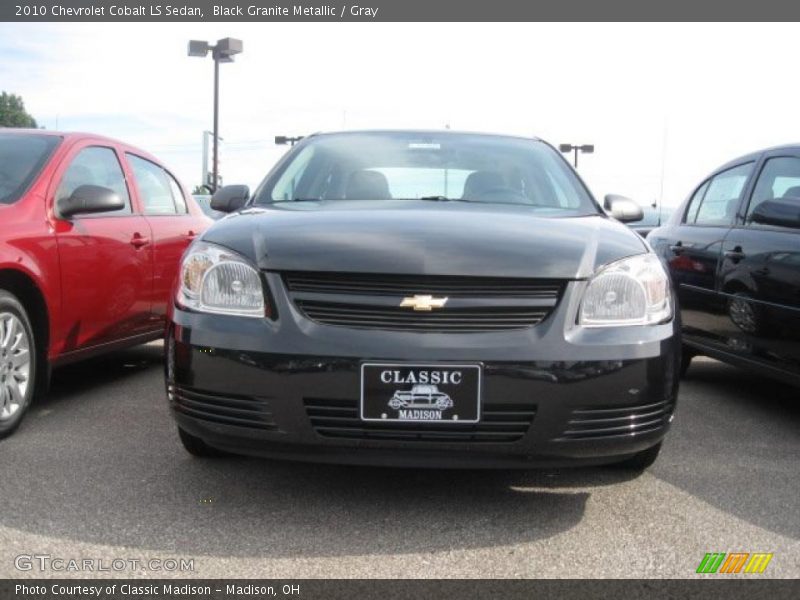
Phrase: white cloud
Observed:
(714, 90)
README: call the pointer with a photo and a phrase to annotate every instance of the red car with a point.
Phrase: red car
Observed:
(91, 234)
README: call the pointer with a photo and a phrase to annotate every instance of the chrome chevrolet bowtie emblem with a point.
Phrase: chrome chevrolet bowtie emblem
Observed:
(423, 302)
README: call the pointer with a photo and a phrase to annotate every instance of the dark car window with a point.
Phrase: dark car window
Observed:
(156, 188)
(177, 195)
(22, 158)
(96, 165)
(409, 165)
(694, 203)
(721, 199)
(779, 180)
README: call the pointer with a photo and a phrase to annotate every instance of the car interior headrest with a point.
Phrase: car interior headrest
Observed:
(792, 192)
(480, 182)
(367, 185)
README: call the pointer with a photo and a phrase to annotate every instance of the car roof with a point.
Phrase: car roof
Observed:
(423, 132)
(67, 135)
(74, 136)
(751, 156)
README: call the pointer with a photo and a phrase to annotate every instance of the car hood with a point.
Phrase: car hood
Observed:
(420, 237)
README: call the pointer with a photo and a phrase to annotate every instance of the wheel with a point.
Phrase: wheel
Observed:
(18, 368)
(443, 403)
(641, 460)
(744, 314)
(197, 447)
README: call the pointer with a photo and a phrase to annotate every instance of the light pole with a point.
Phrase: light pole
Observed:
(584, 148)
(223, 51)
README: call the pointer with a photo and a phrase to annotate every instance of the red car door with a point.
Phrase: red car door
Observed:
(173, 224)
(106, 258)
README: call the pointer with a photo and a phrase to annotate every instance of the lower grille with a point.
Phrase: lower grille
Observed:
(339, 419)
(611, 421)
(242, 411)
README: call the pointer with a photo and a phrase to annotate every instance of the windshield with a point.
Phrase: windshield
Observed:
(428, 166)
(21, 158)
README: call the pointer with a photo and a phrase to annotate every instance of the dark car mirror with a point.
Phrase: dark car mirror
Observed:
(623, 209)
(783, 213)
(87, 199)
(230, 198)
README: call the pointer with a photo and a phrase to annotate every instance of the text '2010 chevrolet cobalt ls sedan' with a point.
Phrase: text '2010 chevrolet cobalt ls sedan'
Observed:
(423, 299)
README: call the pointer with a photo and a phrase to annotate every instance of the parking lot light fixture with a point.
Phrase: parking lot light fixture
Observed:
(222, 52)
(583, 148)
(283, 140)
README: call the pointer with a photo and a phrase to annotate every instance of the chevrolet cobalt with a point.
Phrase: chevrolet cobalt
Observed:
(91, 236)
(370, 267)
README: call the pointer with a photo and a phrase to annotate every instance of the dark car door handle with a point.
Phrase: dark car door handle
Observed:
(139, 241)
(763, 271)
(735, 254)
(677, 248)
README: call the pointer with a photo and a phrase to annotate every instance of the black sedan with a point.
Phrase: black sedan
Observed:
(733, 249)
(423, 299)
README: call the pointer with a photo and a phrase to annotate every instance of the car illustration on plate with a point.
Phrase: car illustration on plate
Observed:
(421, 396)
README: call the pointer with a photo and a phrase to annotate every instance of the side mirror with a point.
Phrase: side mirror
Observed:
(88, 199)
(230, 198)
(623, 209)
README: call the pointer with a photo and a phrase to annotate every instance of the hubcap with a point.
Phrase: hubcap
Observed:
(742, 315)
(15, 365)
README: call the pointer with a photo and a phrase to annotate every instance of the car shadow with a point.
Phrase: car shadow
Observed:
(101, 463)
(76, 378)
(734, 445)
(286, 509)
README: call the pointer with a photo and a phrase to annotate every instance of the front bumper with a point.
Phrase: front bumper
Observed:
(290, 388)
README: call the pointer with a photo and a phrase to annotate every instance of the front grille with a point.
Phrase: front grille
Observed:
(333, 418)
(408, 285)
(611, 421)
(242, 411)
(455, 320)
(474, 304)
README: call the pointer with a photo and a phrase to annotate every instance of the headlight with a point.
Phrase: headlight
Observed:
(216, 280)
(631, 291)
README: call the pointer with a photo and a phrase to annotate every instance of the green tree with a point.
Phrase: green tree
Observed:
(13, 113)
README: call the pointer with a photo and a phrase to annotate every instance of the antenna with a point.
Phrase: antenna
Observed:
(663, 167)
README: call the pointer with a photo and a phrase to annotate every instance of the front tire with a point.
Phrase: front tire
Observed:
(18, 364)
(641, 460)
(197, 447)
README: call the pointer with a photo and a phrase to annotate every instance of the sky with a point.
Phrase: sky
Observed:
(664, 104)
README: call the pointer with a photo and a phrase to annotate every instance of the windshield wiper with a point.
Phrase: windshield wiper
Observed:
(295, 200)
(441, 199)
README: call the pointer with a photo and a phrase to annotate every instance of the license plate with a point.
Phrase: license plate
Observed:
(420, 393)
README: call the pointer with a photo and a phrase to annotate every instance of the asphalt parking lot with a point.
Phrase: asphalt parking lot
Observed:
(96, 471)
